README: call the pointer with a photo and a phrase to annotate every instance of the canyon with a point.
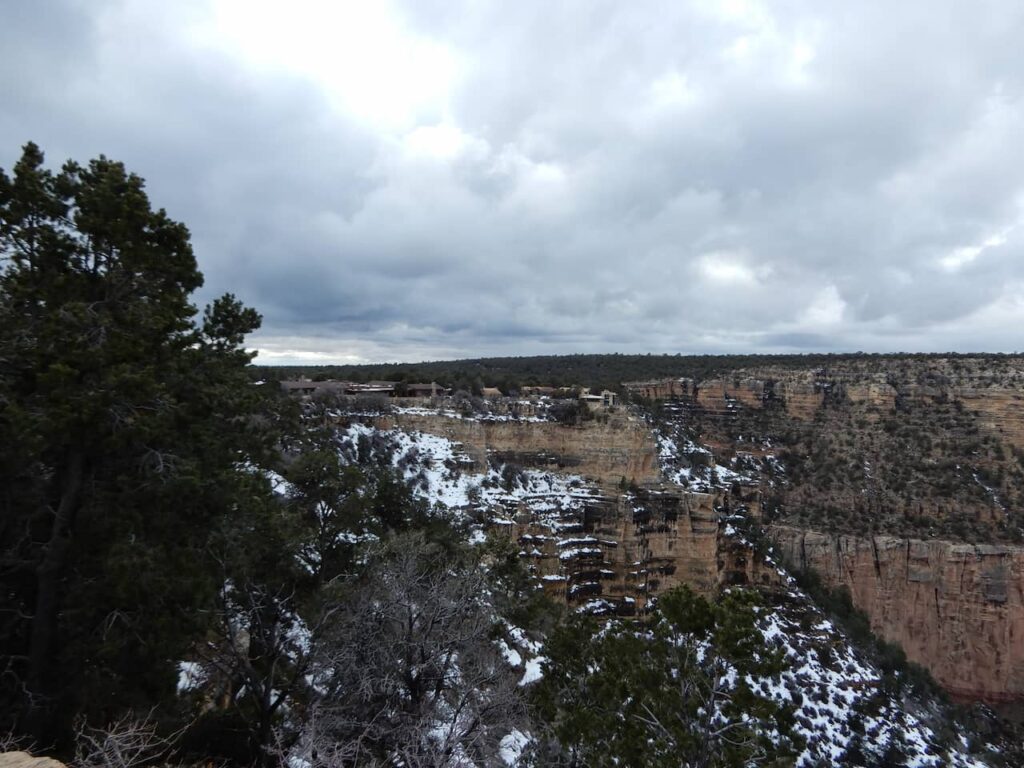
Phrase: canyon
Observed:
(900, 483)
(631, 534)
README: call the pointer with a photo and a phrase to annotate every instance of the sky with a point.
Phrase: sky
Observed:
(442, 179)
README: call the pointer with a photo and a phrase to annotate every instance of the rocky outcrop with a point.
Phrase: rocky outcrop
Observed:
(25, 760)
(607, 451)
(801, 394)
(620, 553)
(877, 396)
(1000, 412)
(905, 450)
(926, 450)
(660, 389)
(718, 394)
(802, 398)
(957, 609)
(625, 549)
(616, 548)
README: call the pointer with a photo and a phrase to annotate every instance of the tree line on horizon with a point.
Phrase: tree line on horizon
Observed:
(597, 371)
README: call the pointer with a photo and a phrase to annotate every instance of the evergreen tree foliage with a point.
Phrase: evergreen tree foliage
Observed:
(670, 691)
(291, 567)
(123, 422)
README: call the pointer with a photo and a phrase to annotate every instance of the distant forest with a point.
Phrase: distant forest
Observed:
(597, 371)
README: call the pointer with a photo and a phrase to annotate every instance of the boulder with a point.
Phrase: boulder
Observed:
(25, 760)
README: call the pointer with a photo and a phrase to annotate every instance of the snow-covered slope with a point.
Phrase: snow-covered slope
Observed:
(843, 710)
(693, 466)
(441, 473)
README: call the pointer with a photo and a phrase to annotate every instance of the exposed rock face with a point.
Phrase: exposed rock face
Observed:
(621, 547)
(1000, 412)
(25, 760)
(957, 609)
(661, 389)
(716, 394)
(622, 553)
(927, 450)
(606, 451)
(623, 550)
(801, 395)
(877, 394)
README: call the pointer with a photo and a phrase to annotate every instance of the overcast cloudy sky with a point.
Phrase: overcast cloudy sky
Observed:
(442, 179)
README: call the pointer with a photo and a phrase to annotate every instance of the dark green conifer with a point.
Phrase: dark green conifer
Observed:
(122, 423)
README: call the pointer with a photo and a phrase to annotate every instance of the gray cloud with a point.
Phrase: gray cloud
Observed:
(596, 177)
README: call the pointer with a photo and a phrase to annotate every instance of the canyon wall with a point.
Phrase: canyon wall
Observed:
(1000, 412)
(957, 609)
(892, 453)
(624, 549)
(605, 450)
(617, 553)
(998, 404)
(914, 470)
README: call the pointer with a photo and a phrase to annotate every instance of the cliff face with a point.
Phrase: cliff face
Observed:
(612, 549)
(916, 448)
(1000, 412)
(957, 609)
(626, 548)
(606, 451)
(801, 395)
(619, 553)
(914, 468)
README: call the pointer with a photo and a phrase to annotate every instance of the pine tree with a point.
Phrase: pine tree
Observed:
(660, 692)
(123, 421)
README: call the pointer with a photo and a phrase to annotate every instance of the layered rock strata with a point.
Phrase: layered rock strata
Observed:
(957, 609)
(622, 547)
(621, 447)
(1000, 412)
(622, 550)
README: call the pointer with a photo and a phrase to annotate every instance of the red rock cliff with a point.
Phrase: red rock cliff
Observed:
(957, 609)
